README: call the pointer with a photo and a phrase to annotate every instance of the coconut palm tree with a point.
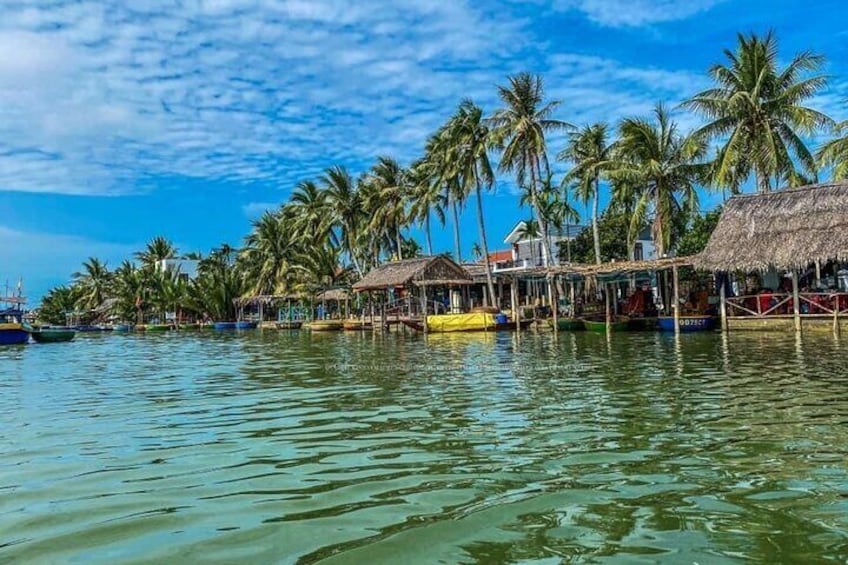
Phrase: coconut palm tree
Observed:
(757, 109)
(555, 209)
(426, 198)
(834, 153)
(590, 151)
(93, 283)
(267, 255)
(345, 205)
(158, 249)
(57, 304)
(309, 207)
(519, 129)
(440, 155)
(664, 168)
(471, 138)
(389, 180)
(530, 231)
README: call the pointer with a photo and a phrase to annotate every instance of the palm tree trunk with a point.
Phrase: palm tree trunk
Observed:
(489, 281)
(543, 229)
(456, 239)
(596, 233)
(427, 233)
(397, 241)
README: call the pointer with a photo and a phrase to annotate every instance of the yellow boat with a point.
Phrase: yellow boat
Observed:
(325, 325)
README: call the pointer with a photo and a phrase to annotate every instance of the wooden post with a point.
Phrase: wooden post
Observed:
(608, 310)
(383, 320)
(424, 308)
(723, 303)
(676, 305)
(513, 294)
(554, 304)
(796, 305)
(836, 329)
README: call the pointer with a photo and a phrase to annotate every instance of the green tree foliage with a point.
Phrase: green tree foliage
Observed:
(613, 230)
(56, 304)
(698, 233)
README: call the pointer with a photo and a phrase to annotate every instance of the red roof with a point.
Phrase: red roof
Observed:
(498, 256)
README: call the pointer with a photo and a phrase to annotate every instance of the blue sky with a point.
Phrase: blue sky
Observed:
(124, 120)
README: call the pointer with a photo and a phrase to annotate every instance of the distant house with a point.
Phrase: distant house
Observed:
(527, 252)
(187, 268)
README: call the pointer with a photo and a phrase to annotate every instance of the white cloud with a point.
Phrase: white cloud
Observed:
(255, 209)
(635, 13)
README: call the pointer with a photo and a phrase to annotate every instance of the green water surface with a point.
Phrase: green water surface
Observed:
(478, 448)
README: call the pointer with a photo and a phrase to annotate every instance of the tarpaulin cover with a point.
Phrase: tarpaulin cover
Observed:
(461, 322)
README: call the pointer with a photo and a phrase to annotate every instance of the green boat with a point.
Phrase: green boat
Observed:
(618, 324)
(568, 324)
(642, 324)
(156, 327)
(52, 335)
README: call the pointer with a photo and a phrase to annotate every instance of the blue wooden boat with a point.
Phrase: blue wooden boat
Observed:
(220, 326)
(90, 328)
(246, 325)
(12, 330)
(122, 328)
(687, 323)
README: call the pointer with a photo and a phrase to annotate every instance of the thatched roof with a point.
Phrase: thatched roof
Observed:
(787, 229)
(431, 270)
(333, 294)
(621, 267)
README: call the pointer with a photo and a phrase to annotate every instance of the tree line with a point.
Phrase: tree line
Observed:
(338, 226)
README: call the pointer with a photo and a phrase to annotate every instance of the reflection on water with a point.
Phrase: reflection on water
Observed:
(473, 448)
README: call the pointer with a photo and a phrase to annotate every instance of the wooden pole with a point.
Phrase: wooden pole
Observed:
(836, 329)
(796, 305)
(676, 305)
(554, 305)
(723, 302)
(424, 308)
(513, 295)
(607, 305)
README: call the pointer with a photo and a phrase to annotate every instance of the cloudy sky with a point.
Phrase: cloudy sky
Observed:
(124, 120)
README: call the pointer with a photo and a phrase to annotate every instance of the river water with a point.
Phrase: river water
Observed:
(478, 448)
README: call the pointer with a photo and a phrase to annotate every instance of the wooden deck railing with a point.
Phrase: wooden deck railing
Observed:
(781, 304)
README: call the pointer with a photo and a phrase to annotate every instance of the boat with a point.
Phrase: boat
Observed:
(12, 331)
(122, 328)
(221, 326)
(155, 327)
(52, 334)
(185, 327)
(471, 322)
(325, 325)
(618, 324)
(91, 328)
(244, 325)
(696, 323)
(357, 325)
(288, 324)
(642, 324)
(568, 324)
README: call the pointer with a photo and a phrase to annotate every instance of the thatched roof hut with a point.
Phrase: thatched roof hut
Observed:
(432, 270)
(787, 229)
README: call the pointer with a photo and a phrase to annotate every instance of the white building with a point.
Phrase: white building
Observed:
(527, 252)
(187, 268)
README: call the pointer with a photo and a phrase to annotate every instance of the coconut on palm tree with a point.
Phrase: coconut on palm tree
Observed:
(519, 129)
(757, 111)
(663, 169)
(590, 151)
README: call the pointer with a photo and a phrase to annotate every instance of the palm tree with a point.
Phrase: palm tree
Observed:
(834, 153)
(519, 130)
(345, 205)
(591, 153)
(426, 197)
(556, 211)
(57, 304)
(442, 164)
(267, 255)
(477, 251)
(92, 283)
(389, 179)
(470, 136)
(663, 167)
(309, 207)
(759, 109)
(158, 249)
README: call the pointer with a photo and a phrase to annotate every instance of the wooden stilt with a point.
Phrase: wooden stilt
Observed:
(796, 305)
(424, 308)
(554, 304)
(723, 303)
(608, 308)
(676, 305)
(513, 293)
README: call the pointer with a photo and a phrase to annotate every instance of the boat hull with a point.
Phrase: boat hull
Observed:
(122, 328)
(246, 325)
(688, 323)
(600, 326)
(13, 334)
(642, 324)
(568, 324)
(289, 325)
(53, 335)
(223, 326)
(325, 326)
(357, 325)
(496, 327)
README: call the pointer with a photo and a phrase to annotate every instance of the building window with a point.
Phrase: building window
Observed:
(638, 252)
